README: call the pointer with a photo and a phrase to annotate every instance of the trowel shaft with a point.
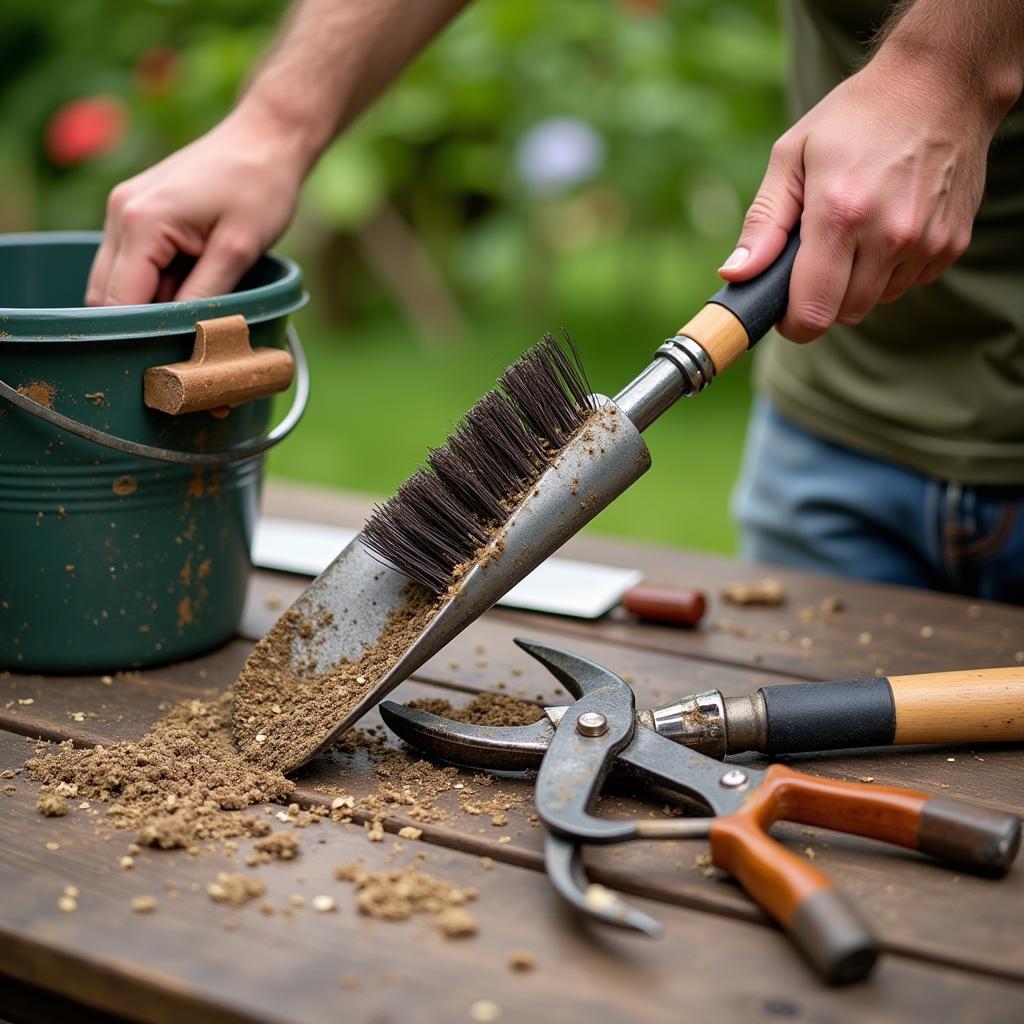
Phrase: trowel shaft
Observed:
(730, 323)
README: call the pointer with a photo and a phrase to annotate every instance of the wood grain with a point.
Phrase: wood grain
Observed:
(912, 897)
(924, 914)
(180, 962)
(960, 707)
(720, 333)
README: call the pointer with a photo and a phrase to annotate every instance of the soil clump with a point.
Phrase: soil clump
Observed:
(282, 715)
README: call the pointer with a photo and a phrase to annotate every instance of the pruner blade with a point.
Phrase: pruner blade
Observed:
(505, 748)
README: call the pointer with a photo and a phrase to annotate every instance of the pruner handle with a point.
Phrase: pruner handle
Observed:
(821, 922)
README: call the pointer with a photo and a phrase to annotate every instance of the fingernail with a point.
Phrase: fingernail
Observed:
(737, 259)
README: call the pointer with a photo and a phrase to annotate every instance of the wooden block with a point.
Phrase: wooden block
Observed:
(225, 370)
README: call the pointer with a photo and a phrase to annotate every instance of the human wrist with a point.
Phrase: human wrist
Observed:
(296, 136)
(949, 76)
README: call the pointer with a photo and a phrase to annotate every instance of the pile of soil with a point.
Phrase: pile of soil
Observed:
(172, 787)
(398, 894)
(281, 716)
(484, 709)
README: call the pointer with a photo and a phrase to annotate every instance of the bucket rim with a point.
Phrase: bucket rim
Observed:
(64, 324)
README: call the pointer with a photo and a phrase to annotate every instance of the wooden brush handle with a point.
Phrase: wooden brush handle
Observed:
(969, 706)
(738, 316)
(826, 928)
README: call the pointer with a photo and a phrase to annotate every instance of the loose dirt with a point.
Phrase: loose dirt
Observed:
(172, 787)
(484, 709)
(398, 894)
(765, 592)
(281, 715)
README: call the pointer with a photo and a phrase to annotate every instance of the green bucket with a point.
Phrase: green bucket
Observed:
(126, 530)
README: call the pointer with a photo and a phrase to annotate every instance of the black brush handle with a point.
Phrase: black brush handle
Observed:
(736, 317)
(759, 304)
(829, 716)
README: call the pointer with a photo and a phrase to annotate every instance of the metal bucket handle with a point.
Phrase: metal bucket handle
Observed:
(243, 450)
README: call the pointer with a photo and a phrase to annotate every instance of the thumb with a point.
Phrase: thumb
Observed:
(772, 215)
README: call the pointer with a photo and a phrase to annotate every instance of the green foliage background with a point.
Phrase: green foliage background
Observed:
(685, 96)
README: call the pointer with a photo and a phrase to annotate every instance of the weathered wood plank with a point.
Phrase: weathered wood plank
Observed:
(482, 658)
(180, 960)
(912, 898)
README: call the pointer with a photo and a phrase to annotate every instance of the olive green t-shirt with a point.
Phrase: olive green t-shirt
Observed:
(934, 381)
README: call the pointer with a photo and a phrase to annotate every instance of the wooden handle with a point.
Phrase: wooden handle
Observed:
(224, 370)
(802, 899)
(674, 606)
(720, 333)
(738, 316)
(970, 706)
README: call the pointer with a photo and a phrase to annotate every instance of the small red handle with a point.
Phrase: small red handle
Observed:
(675, 606)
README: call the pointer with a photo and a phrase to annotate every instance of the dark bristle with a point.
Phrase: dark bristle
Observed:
(548, 391)
(464, 487)
(442, 516)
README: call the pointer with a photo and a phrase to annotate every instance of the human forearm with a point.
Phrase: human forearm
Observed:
(227, 196)
(332, 59)
(886, 172)
(974, 47)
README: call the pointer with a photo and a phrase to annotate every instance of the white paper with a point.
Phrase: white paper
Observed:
(559, 586)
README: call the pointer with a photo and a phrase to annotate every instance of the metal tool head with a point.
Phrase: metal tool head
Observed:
(508, 748)
(577, 674)
(353, 599)
(575, 748)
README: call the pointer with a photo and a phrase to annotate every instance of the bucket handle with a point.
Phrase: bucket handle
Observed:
(235, 453)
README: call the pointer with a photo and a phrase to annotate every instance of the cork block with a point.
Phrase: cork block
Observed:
(224, 371)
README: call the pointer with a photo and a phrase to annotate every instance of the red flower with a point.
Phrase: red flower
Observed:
(643, 8)
(156, 71)
(85, 128)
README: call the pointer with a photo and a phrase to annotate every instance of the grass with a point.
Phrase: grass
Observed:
(380, 400)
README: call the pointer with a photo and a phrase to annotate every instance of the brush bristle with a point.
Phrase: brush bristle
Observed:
(445, 512)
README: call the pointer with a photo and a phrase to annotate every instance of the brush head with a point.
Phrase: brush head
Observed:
(447, 511)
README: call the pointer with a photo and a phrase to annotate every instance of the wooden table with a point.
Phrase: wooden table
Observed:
(954, 943)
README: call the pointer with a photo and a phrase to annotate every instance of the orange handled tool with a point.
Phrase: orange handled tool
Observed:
(577, 746)
(820, 920)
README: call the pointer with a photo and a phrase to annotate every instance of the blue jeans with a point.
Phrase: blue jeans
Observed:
(812, 504)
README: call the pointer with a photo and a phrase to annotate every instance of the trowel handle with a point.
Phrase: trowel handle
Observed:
(671, 606)
(969, 706)
(738, 316)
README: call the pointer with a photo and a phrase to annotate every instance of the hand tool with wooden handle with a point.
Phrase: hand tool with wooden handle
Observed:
(983, 705)
(599, 733)
(530, 464)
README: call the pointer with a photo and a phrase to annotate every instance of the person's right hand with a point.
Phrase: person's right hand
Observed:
(222, 200)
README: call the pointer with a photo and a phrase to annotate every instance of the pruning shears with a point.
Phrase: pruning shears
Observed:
(576, 747)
